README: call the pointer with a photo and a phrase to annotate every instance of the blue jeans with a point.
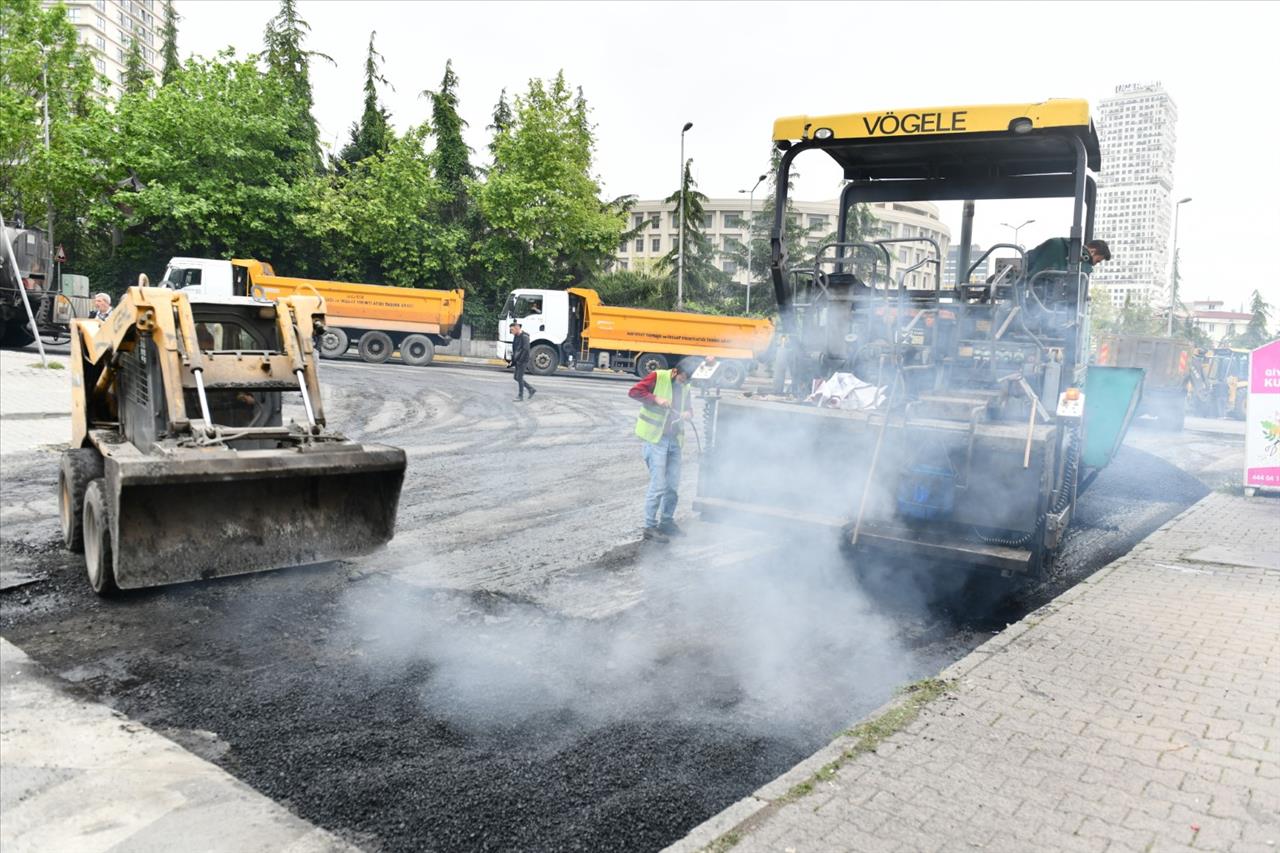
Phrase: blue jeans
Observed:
(663, 461)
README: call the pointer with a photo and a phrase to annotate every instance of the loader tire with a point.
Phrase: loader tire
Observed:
(79, 467)
(375, 347)
(417, 350)
(649, 362)
(16, 335)
(333, 343)
(543, 359)
(97, 539)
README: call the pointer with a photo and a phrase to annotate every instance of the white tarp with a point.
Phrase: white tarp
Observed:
(846, 391)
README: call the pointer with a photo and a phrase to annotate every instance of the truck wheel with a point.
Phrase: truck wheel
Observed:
(417, 350)
(97, 539)
(732, 374)
(543, 359)
(375, 347)
(16, 335)
(649, 362)
(79, 467)
(333, 343)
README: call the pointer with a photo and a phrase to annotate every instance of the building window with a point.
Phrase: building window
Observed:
(640, 245)
(730, 267)
(73, 14)
(100, 65)
(733, 219)
(656, 244)
(637, 220)
(120, 53)
(708, 221)
(101, 4)
(102, 23)
(100, 43)
(622, 265)
(622, 248)
(817, 221)
(656, 221)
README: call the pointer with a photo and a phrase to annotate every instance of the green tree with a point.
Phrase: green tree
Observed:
(137, 77)
(644, 288)
(548, 226)
(705, 285)
(287, 58)
(169, 49)
(42, 62)
(502, 119)
(1255, 334)
(382, 219)
(452, 156)
(372, 134)
(219, 169)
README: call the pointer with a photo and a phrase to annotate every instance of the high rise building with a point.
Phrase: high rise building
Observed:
(108, 27)
(1137, 132)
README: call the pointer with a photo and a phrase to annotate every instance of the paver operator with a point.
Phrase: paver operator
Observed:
(665, 406)
(520, 361)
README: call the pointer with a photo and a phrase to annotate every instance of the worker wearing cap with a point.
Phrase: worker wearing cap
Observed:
(665, 405)
(520, 360)
(1052, 255)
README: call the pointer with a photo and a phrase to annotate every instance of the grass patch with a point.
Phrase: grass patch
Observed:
(53, 365)
(723, 843)
(868, 736)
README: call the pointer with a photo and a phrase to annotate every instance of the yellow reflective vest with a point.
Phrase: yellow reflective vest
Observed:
(652, 419)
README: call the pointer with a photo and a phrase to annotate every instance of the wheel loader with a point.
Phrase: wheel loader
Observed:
(181, 466)
(927, 424)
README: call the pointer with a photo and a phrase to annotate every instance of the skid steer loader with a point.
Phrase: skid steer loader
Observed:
(181, 467)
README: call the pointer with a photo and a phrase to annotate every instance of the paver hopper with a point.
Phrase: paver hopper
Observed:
(181, 466)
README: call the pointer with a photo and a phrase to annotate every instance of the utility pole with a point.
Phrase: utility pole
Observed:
(751, 194)
(680, 268)
(1173, 278)
(49, 284)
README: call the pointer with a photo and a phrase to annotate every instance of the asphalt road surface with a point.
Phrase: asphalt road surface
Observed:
(515, 672)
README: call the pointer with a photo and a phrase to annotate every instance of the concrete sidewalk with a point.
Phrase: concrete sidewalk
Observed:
(1138, 711)
(76, 776)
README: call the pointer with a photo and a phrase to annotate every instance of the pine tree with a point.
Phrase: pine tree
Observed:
(372, 134)
(452, 156)
(286, 57)
(137, 77)
(502, 118)
(1255, 334)
(704, 283)
(169, 51)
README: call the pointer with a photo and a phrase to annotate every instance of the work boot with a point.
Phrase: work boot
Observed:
(670, 528)
(521, 399)
(653, 534)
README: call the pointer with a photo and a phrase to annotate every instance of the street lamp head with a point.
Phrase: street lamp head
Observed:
(761, 178)
(687, 125)
(1184, 200)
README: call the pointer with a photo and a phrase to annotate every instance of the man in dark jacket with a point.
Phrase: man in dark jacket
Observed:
(1052, 255)
(520, 360)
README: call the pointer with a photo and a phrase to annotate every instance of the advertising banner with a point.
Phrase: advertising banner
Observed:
(1262, 419)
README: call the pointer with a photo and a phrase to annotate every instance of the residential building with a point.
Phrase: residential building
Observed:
(1137, 132)
(953, 258)
(108, 27)
(1210, 318)
(725, 222)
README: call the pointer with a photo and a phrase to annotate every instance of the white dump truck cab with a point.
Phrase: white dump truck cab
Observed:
(203, 276)
(544, 316)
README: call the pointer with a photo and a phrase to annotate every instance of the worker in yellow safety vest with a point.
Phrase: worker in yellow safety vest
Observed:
(665, 405)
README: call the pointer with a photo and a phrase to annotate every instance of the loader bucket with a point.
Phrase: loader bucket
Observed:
(1111, 397)
(209, 513)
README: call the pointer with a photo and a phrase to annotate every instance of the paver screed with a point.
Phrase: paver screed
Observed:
(1139, 711)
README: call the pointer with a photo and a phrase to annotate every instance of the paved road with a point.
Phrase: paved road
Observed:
(515, 672)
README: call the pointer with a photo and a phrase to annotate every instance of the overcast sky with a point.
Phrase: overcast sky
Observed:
(733, 67)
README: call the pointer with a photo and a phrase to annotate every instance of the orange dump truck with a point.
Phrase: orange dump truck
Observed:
(377, 319)
(574, 326)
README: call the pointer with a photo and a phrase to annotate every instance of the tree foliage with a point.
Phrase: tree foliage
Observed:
(547, 224)
(137, 76)
(372, 134)
(287, 58)
(1255, 334)
(169, 48)
(704, 283)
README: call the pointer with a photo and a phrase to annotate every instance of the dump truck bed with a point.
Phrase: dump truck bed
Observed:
(682, 333)
(368, 306)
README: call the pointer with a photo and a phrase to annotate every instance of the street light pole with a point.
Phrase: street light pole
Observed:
(1173, 279)
(751, 197)
(1016, 230)
(680, 268)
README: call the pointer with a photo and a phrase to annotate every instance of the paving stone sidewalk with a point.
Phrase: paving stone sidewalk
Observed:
(1138, 711)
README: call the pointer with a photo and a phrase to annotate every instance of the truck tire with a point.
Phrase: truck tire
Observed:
(16, 335)
(79, 467)
(417, 350)
(375, 347)
(97, 539)
(543, 359)
(334, 342)
(732, 374)
(649, 362)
